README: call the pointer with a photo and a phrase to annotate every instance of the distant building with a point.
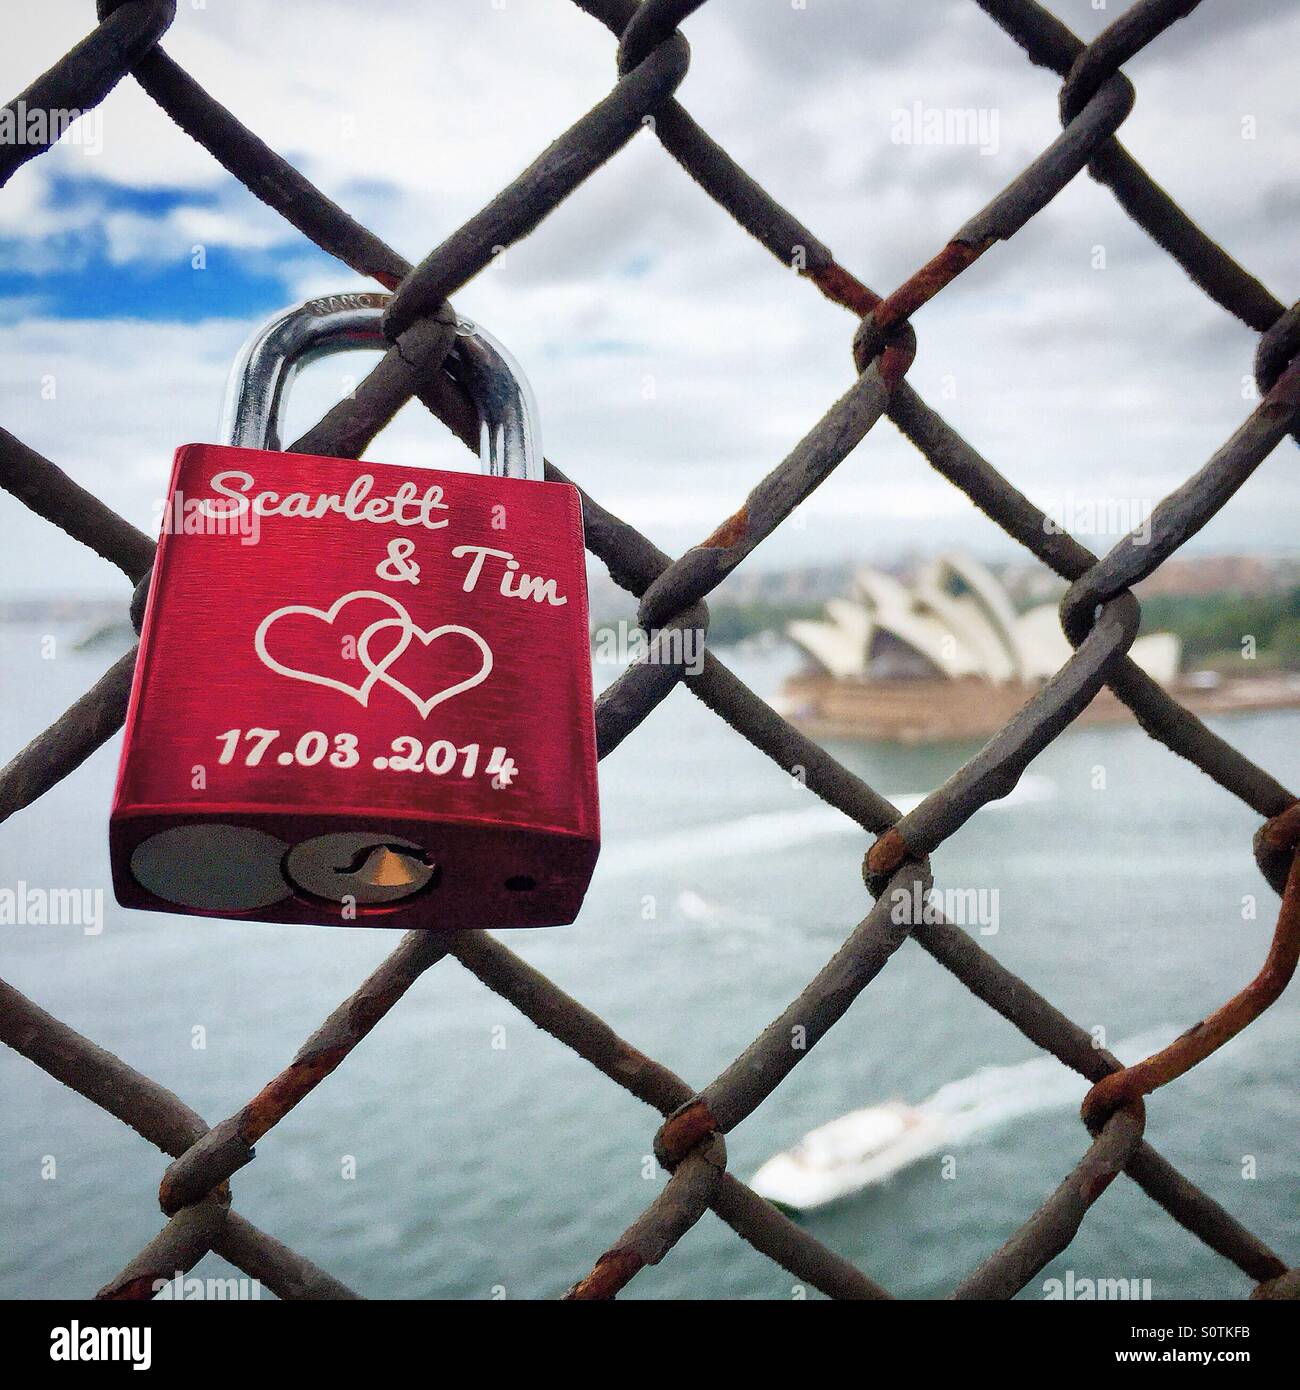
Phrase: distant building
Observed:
(953, 620)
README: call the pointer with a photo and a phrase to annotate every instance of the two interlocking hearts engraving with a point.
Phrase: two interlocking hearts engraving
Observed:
(377, 672)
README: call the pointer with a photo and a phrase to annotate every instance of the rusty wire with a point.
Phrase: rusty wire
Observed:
(1099, 614)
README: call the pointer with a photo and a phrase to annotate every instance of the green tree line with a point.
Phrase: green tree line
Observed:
(1213, 626)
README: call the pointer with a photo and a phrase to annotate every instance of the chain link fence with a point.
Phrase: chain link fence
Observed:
(1099, 615)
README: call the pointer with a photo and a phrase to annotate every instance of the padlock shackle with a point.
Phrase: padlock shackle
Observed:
(253, 414)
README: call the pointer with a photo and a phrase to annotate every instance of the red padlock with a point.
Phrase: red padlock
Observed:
(363, 693)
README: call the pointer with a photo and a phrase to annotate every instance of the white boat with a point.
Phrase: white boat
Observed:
(842, 1157)
(868, 1146)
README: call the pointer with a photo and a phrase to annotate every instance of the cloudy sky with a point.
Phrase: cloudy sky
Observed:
(1080, 384)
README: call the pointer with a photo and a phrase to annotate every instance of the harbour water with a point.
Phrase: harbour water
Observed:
(462, 1153)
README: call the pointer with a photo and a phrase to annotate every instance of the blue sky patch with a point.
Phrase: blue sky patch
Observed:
(98, 289)
(80, 280)
(65, 191)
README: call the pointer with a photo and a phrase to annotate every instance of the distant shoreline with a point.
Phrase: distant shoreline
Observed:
(936, 710)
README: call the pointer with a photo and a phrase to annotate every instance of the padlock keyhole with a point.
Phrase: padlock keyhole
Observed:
(391, 869)
(365, 869)
(379, 857)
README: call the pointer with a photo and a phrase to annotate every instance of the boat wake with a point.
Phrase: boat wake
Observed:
(992, 1097)
(768, 832)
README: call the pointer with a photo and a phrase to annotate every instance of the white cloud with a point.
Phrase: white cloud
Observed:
(1062, 375)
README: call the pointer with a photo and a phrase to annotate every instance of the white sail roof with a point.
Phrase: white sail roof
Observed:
(957, 619)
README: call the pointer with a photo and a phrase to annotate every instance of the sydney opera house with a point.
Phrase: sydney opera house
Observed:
(943, 656)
